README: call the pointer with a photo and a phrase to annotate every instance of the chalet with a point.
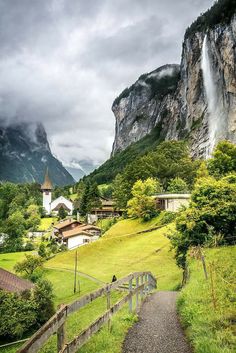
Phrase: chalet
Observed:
(172, 202)
(65, 225)
(52, 207)
(11, 283)
(78, 236)
(107, 210)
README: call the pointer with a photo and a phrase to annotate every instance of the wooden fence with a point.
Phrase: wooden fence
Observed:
(138, 284)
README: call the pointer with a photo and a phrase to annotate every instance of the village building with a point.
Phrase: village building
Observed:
(107, 210)
(74, 234)
(52, 207)
(172, 202)
(65, 225)
(11, 283)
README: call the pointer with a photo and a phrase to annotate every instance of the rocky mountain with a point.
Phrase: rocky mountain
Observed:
(25, 154)
(142, 106)
(194, 101)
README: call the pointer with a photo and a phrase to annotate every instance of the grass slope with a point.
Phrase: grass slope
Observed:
(116, 253)
(119, 254)
(211, 329)
(46, 223)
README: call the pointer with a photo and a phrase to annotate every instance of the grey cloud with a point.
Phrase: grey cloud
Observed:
(64, 61)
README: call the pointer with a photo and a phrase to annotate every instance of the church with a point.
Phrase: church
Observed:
(52, 207)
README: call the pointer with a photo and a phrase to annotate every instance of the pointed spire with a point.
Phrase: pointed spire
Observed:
(47, 184)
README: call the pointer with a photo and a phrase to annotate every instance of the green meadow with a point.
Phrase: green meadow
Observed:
(120, 251)
(208, 306)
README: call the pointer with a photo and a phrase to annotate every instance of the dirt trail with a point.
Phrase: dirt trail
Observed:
(158, 329)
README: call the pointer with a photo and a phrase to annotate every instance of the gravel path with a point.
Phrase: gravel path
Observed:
(158, 329)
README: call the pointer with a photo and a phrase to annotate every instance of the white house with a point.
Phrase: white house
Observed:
(54, 206)
(172, 202)
(78, 236)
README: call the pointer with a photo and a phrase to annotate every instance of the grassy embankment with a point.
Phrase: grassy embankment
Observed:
(119, 252)
(208, 307)
(46, 223)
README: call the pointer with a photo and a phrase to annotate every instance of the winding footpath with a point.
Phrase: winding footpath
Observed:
(158, 329)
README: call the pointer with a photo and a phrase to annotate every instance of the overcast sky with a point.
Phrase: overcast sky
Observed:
(64, 61)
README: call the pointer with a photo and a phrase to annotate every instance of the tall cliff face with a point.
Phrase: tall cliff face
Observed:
(142, 106)
(202, 105)
(25, 154)
(207, 90)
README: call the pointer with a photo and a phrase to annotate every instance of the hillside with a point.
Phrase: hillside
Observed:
(25, 154)
(126, 251)
(120, 251)
(107, 171)
(207, 307)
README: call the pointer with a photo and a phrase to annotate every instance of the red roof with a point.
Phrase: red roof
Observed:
(65, 223)
(80, 229)
(12, 283)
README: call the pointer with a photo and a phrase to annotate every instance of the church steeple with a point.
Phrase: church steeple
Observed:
(47, 184)
(46, 189)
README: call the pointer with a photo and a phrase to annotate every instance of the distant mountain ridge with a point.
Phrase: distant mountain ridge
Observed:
(25, 154)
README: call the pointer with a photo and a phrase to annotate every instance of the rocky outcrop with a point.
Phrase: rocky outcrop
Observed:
(200, 106)
(25, 154)
(142, 106)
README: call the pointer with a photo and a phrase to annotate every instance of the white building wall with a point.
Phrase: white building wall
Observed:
(47, 198)
(62, 199)
(77, 240)
(174, 205)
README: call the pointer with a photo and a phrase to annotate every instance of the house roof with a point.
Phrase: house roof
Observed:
(81, 229)
(104, 209)
(65, 223)
(59, 205)
(47, 184)
(89, 226)
(108, 203)
(173, 196)
(12, 283)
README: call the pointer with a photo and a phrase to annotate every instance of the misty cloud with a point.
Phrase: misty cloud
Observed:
(63, 62)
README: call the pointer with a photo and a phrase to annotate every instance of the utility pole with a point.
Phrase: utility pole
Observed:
(75, 282)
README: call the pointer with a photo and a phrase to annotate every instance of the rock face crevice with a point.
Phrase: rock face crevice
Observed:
(199, 99)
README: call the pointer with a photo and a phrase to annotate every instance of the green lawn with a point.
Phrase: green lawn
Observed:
(211, 329)
(129, 226)
(121, 255)
(115, 253)
(73, 196)
(8, 260)
(46, 223)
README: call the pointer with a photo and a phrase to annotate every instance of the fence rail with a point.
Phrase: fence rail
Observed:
(138, 284)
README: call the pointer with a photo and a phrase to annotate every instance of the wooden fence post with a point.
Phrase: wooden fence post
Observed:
(130, 300)
(108, 307)
(137, 293)
(61, 335)
(203, 261)
(146, 285)
(149, 283)
(213, 293)
(141, 291)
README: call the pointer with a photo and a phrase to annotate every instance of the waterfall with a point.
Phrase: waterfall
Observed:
(211, 95)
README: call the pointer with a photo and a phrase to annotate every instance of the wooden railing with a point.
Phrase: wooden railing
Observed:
(138, 284)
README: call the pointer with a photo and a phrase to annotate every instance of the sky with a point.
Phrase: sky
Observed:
(63, 62)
